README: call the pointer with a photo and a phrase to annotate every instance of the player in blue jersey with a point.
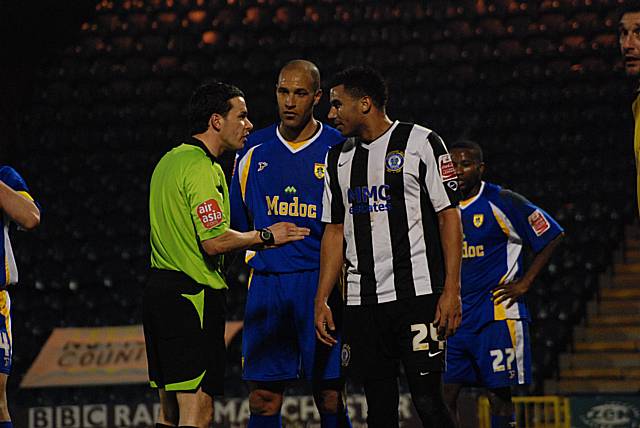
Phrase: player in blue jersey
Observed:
(18, 207)
(280, 175)
(491, 347)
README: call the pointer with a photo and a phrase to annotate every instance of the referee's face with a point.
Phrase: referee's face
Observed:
(629, 36)
(235, 126)
(344, 112)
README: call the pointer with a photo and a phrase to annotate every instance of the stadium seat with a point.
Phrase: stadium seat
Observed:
(227, 19)
(256, 17)
(109, 23)
(509, 49)
(182, 44)
(151, 45)
(490, 27)
(458, 30)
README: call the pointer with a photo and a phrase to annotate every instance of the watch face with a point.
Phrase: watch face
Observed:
(266, 235)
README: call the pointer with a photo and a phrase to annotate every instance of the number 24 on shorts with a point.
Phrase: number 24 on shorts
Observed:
(424, 332)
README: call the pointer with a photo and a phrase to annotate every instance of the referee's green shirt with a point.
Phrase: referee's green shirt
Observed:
(188, 203)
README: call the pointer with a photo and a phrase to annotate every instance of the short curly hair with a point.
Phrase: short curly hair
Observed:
(469, 145)
(360, 81)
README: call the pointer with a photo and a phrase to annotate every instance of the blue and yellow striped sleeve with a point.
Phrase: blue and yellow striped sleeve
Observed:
(240, 215)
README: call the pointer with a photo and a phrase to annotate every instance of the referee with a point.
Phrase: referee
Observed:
(184, 301)
(391, 194)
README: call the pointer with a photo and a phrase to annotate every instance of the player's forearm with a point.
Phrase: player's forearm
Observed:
(331, 259)
(451, 239)
(541, 259)
(21, 209)
(231, 240)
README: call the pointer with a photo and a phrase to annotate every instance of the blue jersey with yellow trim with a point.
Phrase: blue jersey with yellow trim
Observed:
(497, 225)
(11, 178)
(277, 181)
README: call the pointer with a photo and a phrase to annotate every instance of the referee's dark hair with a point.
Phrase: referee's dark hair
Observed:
(469, 145)
(360, 81)
(209, 98)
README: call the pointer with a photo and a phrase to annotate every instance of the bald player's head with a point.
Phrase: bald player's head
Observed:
(305, 66)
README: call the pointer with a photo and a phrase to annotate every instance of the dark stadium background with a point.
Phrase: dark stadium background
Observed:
(90, 98)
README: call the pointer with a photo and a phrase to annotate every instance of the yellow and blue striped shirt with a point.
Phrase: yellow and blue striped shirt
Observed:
(497, 225)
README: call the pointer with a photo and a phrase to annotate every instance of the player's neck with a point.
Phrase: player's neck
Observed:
(296, 135)
(376, 127)
(473, 191)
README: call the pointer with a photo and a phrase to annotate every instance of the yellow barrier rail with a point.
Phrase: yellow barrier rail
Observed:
(549, 411)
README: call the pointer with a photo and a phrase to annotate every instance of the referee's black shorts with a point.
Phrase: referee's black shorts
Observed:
(184, 326)
(376, 337)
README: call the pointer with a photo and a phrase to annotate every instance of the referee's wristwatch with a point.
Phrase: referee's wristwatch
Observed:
(266, 236)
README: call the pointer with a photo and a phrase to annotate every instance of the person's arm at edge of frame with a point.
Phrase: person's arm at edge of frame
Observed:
(449, 312)
(21, 209)
(331, 260)
(514, 290)
(232, 240)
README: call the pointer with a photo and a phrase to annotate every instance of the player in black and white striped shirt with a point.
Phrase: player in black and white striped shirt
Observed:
(391, 196)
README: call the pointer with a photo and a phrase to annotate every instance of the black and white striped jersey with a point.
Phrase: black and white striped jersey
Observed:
(387, 194)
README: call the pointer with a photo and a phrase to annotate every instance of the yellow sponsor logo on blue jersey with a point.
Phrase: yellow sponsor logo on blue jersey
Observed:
(471, 251)
(291, 209)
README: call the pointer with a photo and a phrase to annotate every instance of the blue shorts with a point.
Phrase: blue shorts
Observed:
(496, 356)
(279, 339)
(6, 346)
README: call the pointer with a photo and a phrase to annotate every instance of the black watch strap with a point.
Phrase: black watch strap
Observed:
(267, 236)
